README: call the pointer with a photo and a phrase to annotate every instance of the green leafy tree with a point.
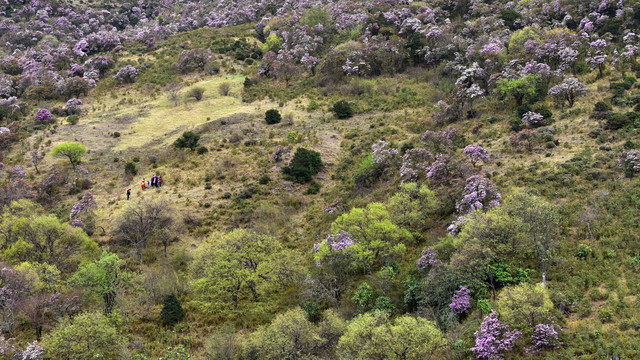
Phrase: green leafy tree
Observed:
(363, 297)
(71, 150)
(541, 222)
(28, 235)
(303, 166)
(88, 336)
(189, 139)
(486, 239)
(376, 237)
(413, 206)
(524, 306)
(272, 116)
(517, 88)
(342, 109)
(242, 264)
(103, 277)
(290, 336)
(172, 312)
(375, 336)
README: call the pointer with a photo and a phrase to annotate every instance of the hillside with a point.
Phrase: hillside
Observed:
(340, 180)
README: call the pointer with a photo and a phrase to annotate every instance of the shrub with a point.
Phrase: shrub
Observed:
(313, 311)
(73, 119)
(196, 93)
(43, 116)
(314, 188)
(202, 150)
(303, 166)
(616, 121)
(342, 109)
(272, 116)
(127, 74)
(189, 139)
(264, 179)
(602, 106)
(130, 168)
(225, 88)
(172, 312)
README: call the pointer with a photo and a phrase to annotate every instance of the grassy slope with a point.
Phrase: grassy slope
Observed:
(149, 123)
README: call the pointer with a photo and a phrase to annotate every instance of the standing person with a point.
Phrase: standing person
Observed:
(153, 181)
(160, 180)
(143, 183)
(128, 193)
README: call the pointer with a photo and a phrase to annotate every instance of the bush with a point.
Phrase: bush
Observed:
(313, 311)
(130, 168)
(196, 93)
(202, 150)
(172, 312)
(303, 166)
(342, 109)
(225, 88)
(272, 116)
(73, 119)
(264, 179)
(188, 139)
(602, 106)
(314, 188)
(617, 121)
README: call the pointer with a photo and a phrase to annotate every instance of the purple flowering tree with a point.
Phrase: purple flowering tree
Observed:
(569, 90)
(531, 118)
(43, 116)
(461, 301)
(630, 162)
(127, 74)
(73, 106)
(383, 154)
(428, 259)
(479, 193)
(414, 162)
(82, 214)
(494, 339)
(545, 337)
(476, 153)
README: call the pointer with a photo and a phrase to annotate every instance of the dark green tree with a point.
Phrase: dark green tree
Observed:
(272, 117)
(189, 139)
(303, 166)
(342, 109)
(172, 312)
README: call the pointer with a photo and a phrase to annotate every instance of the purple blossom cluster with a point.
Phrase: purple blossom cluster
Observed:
(382, 153)
(476, 153)
(494, 339)
(281, 153)
(461, 301)
(630, 162)
(333, 208)
(531, 118)
(545, 337)
(428, 259)
(73, 106)
(86, 204)
(43, 116)
(479, 193)
(127, 74)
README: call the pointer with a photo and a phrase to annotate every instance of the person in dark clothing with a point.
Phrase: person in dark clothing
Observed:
(160, 181)
(153, 181)
(128, 194)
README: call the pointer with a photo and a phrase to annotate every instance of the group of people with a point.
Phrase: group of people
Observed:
(156, 181)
